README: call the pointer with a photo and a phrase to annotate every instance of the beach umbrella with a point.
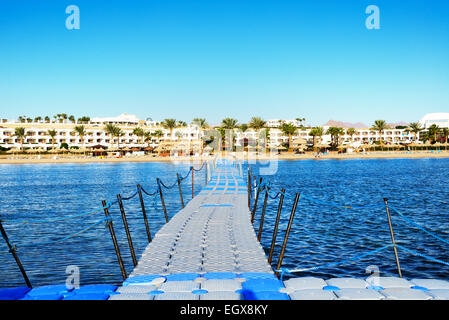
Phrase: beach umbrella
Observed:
(13, 150)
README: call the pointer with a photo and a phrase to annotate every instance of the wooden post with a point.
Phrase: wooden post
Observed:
(114, 240)
(180, 190)
(287, 233)
(276, 225)
(13, 251)
(392, 238)
(255, 202)
(142, 205)
(128, 234)
(205, 172)
(263, 214)
(162, 199)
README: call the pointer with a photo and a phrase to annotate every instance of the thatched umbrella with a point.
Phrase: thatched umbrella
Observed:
(13, 150)
(321, 145)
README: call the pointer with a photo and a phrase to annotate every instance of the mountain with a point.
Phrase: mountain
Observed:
(341, 124)
(400, 123)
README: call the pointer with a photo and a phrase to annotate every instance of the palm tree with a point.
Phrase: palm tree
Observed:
(52, 134)
(147, 137)
(301, 120)
(111, 130)
(72, 119)
(140, 133)
(47, 119)
(379, 126)
(81, 131)
(288, 129)
(158, 134)
(202, 125)
(445, 133)
(178, 134)
(37, 119)
(21, 134)
(229, 123)
(316, 132)
(200, 122)
(351, 132)
(243, 127)
(434, 130)
(415, 128)
(169, 124)
(335, 133)
(118, 133)
(257, 123)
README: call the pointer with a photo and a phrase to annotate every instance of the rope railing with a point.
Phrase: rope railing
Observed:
(332, 264)
(260, 185)
(410, 221)
(108, 205)
(27, 244)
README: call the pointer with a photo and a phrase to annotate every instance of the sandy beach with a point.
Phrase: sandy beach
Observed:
(47, 159)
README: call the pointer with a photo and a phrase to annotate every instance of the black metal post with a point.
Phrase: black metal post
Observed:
(128, 234)
(249, 190)
(180, 190)
(205, 166)
(255, 201)
(192, 181)
(114, 240)
(144, 212)
(287, 233)
(13, 250)
(276, 225)
(392, 238)
(162, 199)
(263, 214)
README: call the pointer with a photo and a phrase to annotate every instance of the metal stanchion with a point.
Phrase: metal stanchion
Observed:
(114, 240)
(180, 190)
(162, 199)
(392, 238)
(255, 201)
(128, 234)
(263, 214)
(13, 251)
(287, 233)
(276, 226)
(144, 213)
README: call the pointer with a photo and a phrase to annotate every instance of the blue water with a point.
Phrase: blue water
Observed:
(320, 234)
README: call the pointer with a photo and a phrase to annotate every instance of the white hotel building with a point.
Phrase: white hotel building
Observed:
(38, 133)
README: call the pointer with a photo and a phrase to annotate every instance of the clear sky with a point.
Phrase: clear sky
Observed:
(225, 58)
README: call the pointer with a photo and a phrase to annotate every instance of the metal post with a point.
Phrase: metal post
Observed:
(192, 180)
(287, 233)
(162, 199)
(142, 204)
(13, 250)
(392, 238)
(255, 201)
(276, 225)
(128, 234)
(180, 191)
(263, 214)
(249, 190)
(205, 172)
(114, 240)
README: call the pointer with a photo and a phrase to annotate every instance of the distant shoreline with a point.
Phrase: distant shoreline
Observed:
(308, 156)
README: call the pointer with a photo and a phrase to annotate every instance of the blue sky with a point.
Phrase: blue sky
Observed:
(220, 58)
